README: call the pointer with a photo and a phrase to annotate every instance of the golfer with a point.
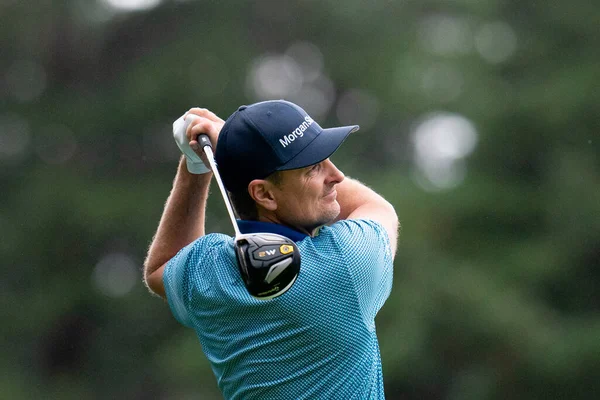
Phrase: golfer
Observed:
(317, 340)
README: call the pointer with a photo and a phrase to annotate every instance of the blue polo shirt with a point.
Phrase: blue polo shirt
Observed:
(315, 341)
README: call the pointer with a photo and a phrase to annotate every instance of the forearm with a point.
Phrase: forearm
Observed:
(352, 195)
(183, 217)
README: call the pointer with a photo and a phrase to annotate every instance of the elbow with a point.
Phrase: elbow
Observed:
(393, 215)
(146, 272)
(394, 227)
(153, 279)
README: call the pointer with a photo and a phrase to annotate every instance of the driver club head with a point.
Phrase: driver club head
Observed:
(269, 263)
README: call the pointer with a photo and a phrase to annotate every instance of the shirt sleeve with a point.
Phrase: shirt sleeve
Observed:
(177, 282)
(366, 248)
(185, 273)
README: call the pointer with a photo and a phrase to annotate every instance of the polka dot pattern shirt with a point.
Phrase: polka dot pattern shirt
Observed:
(315, 341)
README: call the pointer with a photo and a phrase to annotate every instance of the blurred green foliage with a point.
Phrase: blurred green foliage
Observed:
(497, 279)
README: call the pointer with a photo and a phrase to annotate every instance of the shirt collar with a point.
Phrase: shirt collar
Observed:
(268, 227)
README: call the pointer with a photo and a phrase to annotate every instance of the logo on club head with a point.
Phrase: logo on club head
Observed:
(286, 249)
(267, 253)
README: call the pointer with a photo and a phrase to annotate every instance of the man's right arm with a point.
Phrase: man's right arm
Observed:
(182, 221)
(358, 201)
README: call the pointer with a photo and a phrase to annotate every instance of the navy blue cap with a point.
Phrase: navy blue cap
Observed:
(270, 136)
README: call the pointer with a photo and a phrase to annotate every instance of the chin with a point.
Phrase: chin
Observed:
(331, 214)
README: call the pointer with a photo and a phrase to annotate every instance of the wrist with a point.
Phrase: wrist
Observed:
(187, 179)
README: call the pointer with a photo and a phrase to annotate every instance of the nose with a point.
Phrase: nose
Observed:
(334, 174)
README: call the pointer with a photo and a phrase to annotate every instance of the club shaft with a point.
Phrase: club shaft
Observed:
(213, 166)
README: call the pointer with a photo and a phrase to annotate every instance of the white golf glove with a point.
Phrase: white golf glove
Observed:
(193, 160)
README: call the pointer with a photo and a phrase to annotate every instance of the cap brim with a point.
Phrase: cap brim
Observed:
(323, 146)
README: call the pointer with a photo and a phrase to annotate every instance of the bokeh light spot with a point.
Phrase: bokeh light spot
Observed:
(296, 76)
(309, 58)
(132, 5)
(275, 76)
(115, 274)
(441, 142)
(315, 100)
(496, 42)
(445, 35)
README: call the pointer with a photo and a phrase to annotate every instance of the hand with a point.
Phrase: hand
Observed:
(204, 121)
(186, 130)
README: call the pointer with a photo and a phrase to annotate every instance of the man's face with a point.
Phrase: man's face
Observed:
(306, 197)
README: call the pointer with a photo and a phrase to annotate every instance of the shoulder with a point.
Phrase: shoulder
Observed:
(190, 258)
(361, 236)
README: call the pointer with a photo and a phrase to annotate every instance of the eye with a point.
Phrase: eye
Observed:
(311, 170)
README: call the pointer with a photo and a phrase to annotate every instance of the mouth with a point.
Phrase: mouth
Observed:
(331, 195)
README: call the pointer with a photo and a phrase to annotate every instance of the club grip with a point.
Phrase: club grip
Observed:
(204, 141)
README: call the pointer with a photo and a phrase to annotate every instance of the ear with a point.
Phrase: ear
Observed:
(262, 192)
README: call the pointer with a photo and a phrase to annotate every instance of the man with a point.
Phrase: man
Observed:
(317, 340)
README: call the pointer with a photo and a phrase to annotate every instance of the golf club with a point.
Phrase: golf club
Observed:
(269, 263)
